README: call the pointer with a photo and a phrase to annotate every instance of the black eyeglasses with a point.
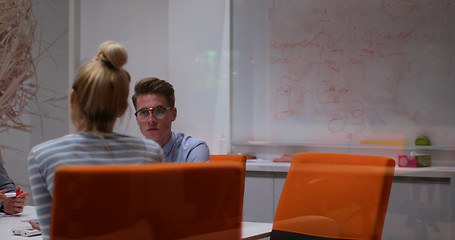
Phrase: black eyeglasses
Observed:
(144, 113)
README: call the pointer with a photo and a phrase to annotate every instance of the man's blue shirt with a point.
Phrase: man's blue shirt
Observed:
(184, 148)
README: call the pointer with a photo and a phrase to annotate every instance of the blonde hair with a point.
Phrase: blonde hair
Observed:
(101, 87)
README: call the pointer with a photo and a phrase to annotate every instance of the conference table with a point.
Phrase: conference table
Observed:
(250, 230)
(255, 230)
(7, 222)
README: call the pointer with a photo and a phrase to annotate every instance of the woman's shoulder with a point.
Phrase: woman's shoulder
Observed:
(52, 147)
(55, 141)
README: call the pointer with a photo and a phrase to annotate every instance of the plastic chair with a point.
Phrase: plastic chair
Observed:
(239, 158)
(151, 201)
(233, 158)
(334, 196)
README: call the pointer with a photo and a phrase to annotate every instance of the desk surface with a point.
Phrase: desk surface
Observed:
(7, 222)
(255, 230)
(435, 172)
(250, 230)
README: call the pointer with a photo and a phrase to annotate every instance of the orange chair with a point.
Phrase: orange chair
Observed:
(229, 158)
(234, 158)
(334, 196)
(151, 201)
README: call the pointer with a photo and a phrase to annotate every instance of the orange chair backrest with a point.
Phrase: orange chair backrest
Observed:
(150, 201)
(233, 158)
(229, 158)
(335, 196)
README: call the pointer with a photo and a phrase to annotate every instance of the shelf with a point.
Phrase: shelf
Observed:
(358, 146)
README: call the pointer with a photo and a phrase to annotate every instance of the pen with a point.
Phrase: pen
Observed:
(10, 194)
(13, 194)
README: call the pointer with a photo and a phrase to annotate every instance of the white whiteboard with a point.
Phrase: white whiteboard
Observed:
(343, 71)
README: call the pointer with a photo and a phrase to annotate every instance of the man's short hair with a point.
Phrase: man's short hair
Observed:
(154, 85)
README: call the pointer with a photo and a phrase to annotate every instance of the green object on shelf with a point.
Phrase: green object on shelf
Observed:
(422, 141)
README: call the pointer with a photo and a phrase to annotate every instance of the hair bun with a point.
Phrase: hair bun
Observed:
(113, 54)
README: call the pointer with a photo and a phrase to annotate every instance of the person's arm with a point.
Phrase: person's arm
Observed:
(6, 185)
(41, 195)
(13, 205)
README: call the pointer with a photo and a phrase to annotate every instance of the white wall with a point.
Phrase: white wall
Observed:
(199, 68)
(184, 42)
(141, 27)
(46, 111)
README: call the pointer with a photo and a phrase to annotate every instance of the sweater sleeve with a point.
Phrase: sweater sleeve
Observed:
(41, 194)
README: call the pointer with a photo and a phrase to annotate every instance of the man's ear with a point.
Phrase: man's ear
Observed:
(174, 114)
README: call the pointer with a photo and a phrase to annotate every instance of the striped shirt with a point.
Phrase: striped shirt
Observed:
(82, 148)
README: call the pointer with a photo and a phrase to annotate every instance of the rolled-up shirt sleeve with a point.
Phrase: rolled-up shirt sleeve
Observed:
(5, 181)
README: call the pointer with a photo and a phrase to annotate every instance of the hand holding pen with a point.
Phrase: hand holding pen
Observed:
(13, 202)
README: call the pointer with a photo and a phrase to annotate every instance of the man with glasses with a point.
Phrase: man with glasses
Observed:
(154, 101)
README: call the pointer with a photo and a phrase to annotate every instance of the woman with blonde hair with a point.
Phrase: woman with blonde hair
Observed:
(98, 97)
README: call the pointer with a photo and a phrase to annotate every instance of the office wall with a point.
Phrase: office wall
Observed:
(199, 35)
(37, 102)
(339, 72)
(184, 42)
(141, 27)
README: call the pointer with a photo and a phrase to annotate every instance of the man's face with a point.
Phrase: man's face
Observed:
(157, 129)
